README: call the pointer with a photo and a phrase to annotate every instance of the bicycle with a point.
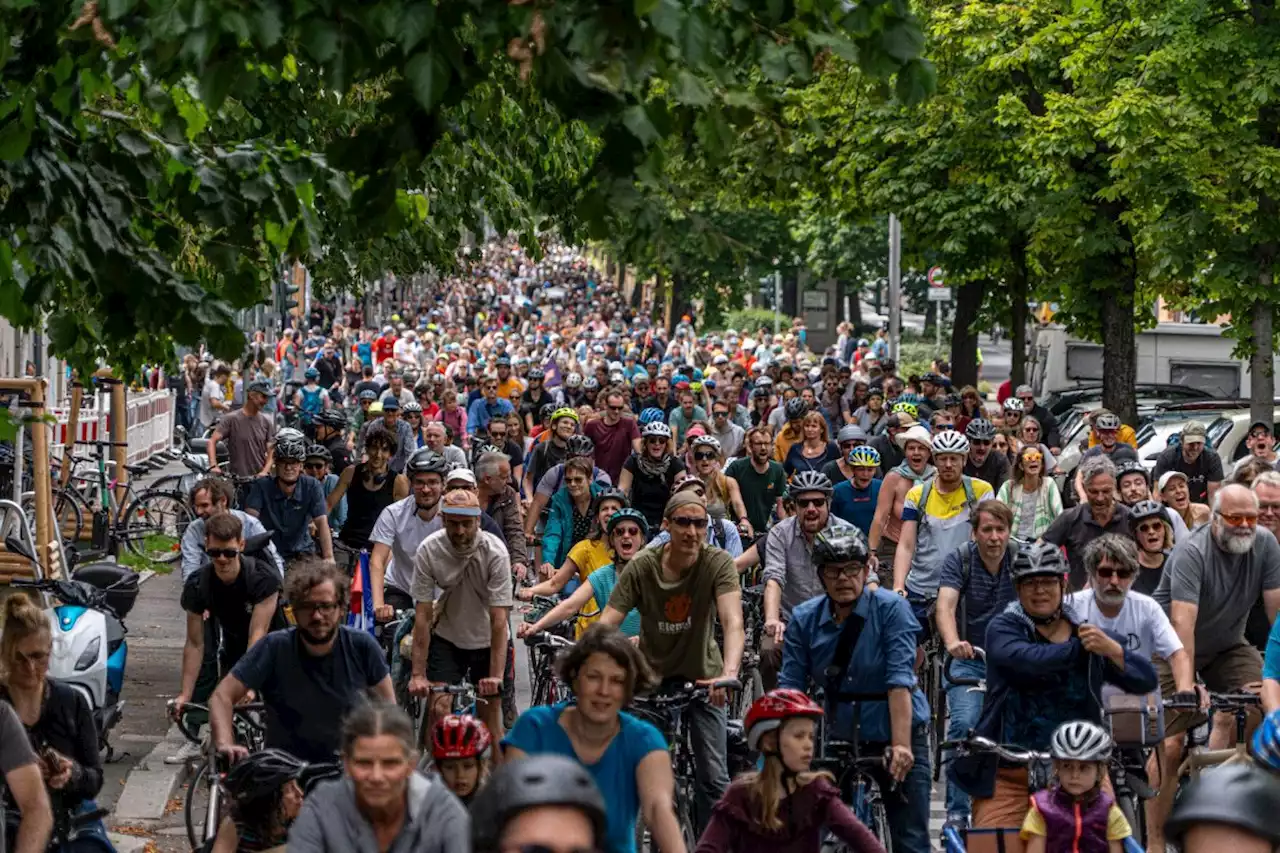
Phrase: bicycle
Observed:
(954, 839)
(250, 732)
(749, 671)
(666, 710)
(547, 689)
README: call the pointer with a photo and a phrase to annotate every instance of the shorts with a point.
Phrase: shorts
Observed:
(885, 553)
(1229, 672)
(448, 664)
(923, 608)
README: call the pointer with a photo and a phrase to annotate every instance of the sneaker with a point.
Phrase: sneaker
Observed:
(188, 753)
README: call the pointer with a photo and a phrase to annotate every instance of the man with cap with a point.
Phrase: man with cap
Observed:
(914, 448)
(462, 596)
(1172, 491)
(1201, 464)
(1048, 423)
(1261, 441)
(249, 432)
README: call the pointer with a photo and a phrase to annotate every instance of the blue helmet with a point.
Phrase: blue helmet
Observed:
(650, 415)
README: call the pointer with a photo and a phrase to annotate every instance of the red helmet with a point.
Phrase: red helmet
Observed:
(772, 709)
(457, 736)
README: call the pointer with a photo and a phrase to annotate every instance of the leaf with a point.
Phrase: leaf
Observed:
(916, 81)
(117, 9)
(636, 120)
(691, 90)
(320, 38)
(133, 143)
(216, 83)
(774, 63)
(668, 19)
(903, 41)
(267, 22)
(695, 37)
(14, 139)
(646, 7)
(429, 77)
(415, 21)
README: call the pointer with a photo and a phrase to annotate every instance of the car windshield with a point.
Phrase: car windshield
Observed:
(1217, 431)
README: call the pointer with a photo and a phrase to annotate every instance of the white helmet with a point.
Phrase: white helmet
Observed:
(573, 380)
(949, 441)
(1080, 740)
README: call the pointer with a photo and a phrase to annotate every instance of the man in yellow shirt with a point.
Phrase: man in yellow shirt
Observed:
(510, 387)
(936, 520)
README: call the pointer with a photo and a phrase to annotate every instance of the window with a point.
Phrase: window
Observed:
(1084, 361)
(1217, 431)
(1220, 380)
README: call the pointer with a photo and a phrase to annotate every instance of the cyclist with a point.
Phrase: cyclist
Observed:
(399, 530)
(792, 430)
(788, 565)
(1261, 441)
(1044, 667)
(534, 399)
(936, 520)
(680, 588)
(616, 436)
(648, 474)
(589, 553)
(571, 514)
(290, 505)
(1149, 526)
(544, 803)
(1074, 813)
(916, 444)
(487, 407)
(382, 803)
(1098, 512)
(1043, 416)
(1233, 808)
(626, 756)
(209, 497)
(685, 414)
(460, 751)
(365, 400)
(849, 437)
(981, 463)
(316, 466)
(1200, 463)
(266, 797)
(784, 805)
(886, 441)
(368, 487)
(976, 583)
(1106, 426)
(1109, 602)
(761, 481)
(853, 639)
(854, 499)
(1172, 491)
(331, 429)
(310, 400)
(308, 676)
(463, 635)
(501, 502)
(436, 436)
(249, 432)
(1133, 484)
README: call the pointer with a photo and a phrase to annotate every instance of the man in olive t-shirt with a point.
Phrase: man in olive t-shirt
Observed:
(761, 480)
(679, 589)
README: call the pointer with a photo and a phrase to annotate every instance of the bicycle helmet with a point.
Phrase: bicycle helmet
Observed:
(1132, 466)
(949, 441)
(590, 384)
(656, 429)
(851, 432)
(580, 445)
(527, 783)
(706, 441)
(810, 481)
(901, 407)
(573, 380)
(1013, 404)
(535, 374)
(950, 401)
(652, 415)
(367, 396)
(774, 708)
(761, 392)
(545, 411)
(1143, 510)
(262, 774)
(290, 449)
(564, 412)
(319, 451)
(260, 386)
(628, 514)
(1239, 795)
(910, 397)
(335, 418)
(459, 736)
(864, 456)
(1037, 560)
(843, 547)
(980, 429)
(426, 461)
(1266, 742)
(413, 407)
(1106, 421)
(311, 373)
(291, 434)
(796, 408)
(482, 449)
(612, 493)
(1080, 740)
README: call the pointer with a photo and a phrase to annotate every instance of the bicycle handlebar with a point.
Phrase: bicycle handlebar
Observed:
(544, 638)
(1218, 702)
(964, 682)
(241, 711)
(688, 692)
(462, 689)
(989, 747)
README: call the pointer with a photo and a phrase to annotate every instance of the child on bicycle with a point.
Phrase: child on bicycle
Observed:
(460, 751)
(785, 806)
(1074, 813)
(266, 796)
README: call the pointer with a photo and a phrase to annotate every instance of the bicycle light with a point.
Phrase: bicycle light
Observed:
(90, 655)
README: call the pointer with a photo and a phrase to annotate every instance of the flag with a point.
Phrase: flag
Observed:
(361, 615)
(550, 373)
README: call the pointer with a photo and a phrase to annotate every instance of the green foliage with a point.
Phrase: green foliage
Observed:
(748, 320)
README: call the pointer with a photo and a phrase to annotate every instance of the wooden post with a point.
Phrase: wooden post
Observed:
(35, 391)
(73, 427)
(119, 438)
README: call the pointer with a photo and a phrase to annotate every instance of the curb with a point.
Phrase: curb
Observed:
(151, 782)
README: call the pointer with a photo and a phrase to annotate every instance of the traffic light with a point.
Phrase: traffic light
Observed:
(290, 298)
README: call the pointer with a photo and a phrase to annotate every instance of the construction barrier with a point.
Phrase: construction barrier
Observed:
(149, 418)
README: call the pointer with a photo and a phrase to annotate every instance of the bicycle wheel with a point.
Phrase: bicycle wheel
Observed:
(880, 824)
(153, 525)
(202, 796)
(69, 511)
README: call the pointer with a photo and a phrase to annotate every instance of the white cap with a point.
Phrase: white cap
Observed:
(1167, 476)
(464, 474)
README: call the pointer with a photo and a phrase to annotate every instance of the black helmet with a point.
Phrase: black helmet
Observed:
(262, 773)
(534, 373)
(546, 411)
(612, 493)
(843, 546)
(980, 429)
(1132, 466)
(319, 451)
(368, 395)
(335, 418)
(796, 408)
(1143, 510)
(1037, 560)
(580, 445)
(527, 783)
(426, 461)
(1240, 795)
(259, 386)
(810, 481)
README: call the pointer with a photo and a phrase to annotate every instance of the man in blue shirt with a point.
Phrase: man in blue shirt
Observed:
(288, 503)
(855, 500)
(487, 407)
(880, 660)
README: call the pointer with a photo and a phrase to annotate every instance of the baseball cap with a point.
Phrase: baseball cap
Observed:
(1257, 424)
(465, 475)
(1193, 433)
(1167, 476)
(390, 404)
(461, 502)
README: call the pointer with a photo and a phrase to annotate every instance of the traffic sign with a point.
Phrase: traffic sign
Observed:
(939, 294)
(935, 276)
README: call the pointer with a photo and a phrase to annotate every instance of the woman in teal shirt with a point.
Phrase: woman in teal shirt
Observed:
(626, 756)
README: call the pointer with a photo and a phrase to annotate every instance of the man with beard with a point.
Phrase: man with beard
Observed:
(248, 432)
(789, 579)
(1100, 513)
(290, 505)
(309, 677)
(1201, 465)
(501, 502)
(463, 634)
(1209, 586)
(208, 498)
(982, 464)
(761, 481)
(1133, 485)
(1109, 602)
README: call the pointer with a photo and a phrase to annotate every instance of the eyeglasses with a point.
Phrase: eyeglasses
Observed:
(317, 607)
(1042, 582)
(628, 530)
(224, 553)
(616, 408)
(656, 439)
(1264, 506)
(808, 502)
(1030, 429)
(575, 481)
(1033, 456)
(849, 570)
(1238, 520)
(687, 521)
(705, 455)
(1108, 574)
(721, 414)
(314, 466)
(1151, 527)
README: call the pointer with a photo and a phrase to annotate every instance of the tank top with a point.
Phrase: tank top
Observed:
(364, 506)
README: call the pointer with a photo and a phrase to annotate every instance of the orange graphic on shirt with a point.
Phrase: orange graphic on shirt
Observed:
(677, 608)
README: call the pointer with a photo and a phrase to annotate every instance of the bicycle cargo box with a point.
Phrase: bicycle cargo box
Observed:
(119, 582)
(1135, 721)
(993, 841)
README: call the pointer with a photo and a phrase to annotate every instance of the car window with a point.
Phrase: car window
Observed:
(1221, 380)
(1217, 431)
(1084, 361)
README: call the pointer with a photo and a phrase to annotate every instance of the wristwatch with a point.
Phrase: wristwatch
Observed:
(901, 592)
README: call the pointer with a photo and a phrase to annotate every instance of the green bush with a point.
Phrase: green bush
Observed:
(748, 320)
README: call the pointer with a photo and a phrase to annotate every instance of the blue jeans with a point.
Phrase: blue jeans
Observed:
(709, 737)
(908, 809)
(964, 708)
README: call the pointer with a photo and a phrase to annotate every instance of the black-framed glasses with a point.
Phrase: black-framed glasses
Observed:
(1151, 527)
(224, 553)
(849, 570)
(317, 607)
(617, 408)
(686, 521)
(314, 466)
(705, 456)
(721, 414)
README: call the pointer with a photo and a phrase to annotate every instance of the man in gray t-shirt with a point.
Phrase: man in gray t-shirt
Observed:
(1210, 583)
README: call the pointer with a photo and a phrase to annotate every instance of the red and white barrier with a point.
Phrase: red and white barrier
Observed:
(150, 420)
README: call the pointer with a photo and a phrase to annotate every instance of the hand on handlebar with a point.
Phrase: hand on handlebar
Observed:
(383, 612)
(489, 686)
(176, 704)
(960, 650)
(234, 752)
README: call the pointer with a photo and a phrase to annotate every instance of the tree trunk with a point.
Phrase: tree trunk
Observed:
(1120, 348)
(1262, 387)
(838, 295)
(930, 318)
(964, 340)
(854, 292)
(1018, 287)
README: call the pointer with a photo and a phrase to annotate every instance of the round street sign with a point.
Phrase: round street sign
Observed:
(935, 277)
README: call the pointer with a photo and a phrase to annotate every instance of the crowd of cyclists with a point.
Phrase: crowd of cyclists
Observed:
(782, 545)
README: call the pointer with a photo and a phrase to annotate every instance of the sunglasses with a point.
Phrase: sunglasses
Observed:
(1151, 527)
(314, 466)
(810, 502)
(1037, 456)
(1235, 520)
(721, 414)
(626, 531)
(224, 553)
(656, 439)
(705, 456)
(686, 522)
(1108, 574)
(616, 408)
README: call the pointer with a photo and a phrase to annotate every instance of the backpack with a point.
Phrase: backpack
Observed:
(970, 499)
(311, 403)
(966, 569)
